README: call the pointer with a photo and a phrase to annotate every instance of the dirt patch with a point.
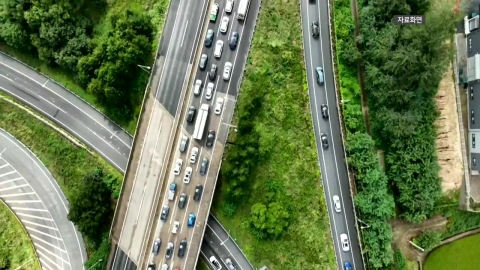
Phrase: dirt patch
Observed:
(448, 135)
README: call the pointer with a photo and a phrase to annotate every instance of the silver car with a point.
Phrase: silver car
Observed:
(227, 70)
(230, 264)
(336, 203)
(224, 24)
(229, 6)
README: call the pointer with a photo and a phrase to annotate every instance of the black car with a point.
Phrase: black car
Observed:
(323, 138)
(182, 201)
(212, 75)
(203, 167)
(198, 192)
(233, 40)
(191, 114)
(209, 38)
(472, 116)
(210, 138)
(151, 266)
(324, 109)
(203, 62)
(315, 29)
(169, 251)
(165, 211)
(182, 248)
(156, 246)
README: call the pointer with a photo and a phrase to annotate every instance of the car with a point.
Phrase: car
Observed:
(198, 193)
(324, 109)
(472, 115)
(191, 220)
(348, 266)
(315, 29)
(203, 62)
(204, 166)
(218, 49)
(169, 251)
(212, 75)
(215, 263)
(176, 225)
(188, 175)
(227, 69)
(210, 138)
(209, 91)
(209, 38)
(182, 248)
(194, 155)
(182, 201)
(171, 191)
(344, 242)
(165, 211)
(183, 144)
(214, 12)
(224, 24)
(178, 166)
(156, 246)
(336, 203)
(233, 40)
(320, 77)
(197, 87)
(312, 1)
(323, 138)
(219, 105)
(151, 266)
(229, 6)
(191, 114)
(165, 266)
(230, 264)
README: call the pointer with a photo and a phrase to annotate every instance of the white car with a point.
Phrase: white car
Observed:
(344, 242)
(178, 166)
(215, 263)
(176, 224)
(165, 267)
(219, 106)
(224, 24)
(188, 175)
(336, 203)
(227, 69)
(218, 49)
(214, 12)
(209, 93)
(193, 155)
(197, 87)
(229, 6)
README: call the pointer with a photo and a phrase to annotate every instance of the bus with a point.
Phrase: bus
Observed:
(201, 121)
(243, 9)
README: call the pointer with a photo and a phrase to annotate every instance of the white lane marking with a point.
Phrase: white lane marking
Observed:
(5, 174)
(23, 201)
(47, 243)
(48, 259)
(18, 194)
(55, 106)
(45, 265)
(43, 85)
(6, 78)
(115, 257)
(335, 236)
(184, 31)
(141, 203)
(196, 33)
(69, 129)
(212, 102)
(223, 244)
(234, 62)
(88, 115)
(199, 155)
(5, 165)
(11, 180)
(32, 216)
(186, 211)
(29, 209)
(51, 253)
(231, 27)
(39, 225)
(43, 233)
(14, 187)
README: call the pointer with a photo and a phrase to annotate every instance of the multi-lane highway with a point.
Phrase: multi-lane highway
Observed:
(334, 172)
(30, 191)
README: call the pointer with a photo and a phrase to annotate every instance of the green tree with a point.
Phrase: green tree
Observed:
(428, 240)
(90, 205)
(271, 220)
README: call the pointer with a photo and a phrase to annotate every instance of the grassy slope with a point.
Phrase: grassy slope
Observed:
(15, 244)
(466, 252)
(286, 128)
(157, 9)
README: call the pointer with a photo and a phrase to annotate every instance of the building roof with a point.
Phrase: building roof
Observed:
(473, 43)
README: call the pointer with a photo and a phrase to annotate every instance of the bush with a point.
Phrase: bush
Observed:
(271, 220)
(399, 262)
(428, 240)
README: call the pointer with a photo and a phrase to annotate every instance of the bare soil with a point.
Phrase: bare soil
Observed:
(448, 135)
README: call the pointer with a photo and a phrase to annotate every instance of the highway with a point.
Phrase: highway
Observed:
(334, 172)
(27, 187)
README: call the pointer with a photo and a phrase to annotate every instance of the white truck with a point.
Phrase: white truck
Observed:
(171, 191)
(201, 121)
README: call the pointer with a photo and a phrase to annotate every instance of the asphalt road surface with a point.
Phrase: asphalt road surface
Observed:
(334, 171)
(30, 191)
(67, 110)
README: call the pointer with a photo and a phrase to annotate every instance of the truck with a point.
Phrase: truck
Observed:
(243, 9)
(201, 121)
(171, 191)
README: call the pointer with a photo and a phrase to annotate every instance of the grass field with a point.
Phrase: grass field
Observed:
(16, 248)
(157, 9)
(201, 265)
(276, 68)
(459, 255)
